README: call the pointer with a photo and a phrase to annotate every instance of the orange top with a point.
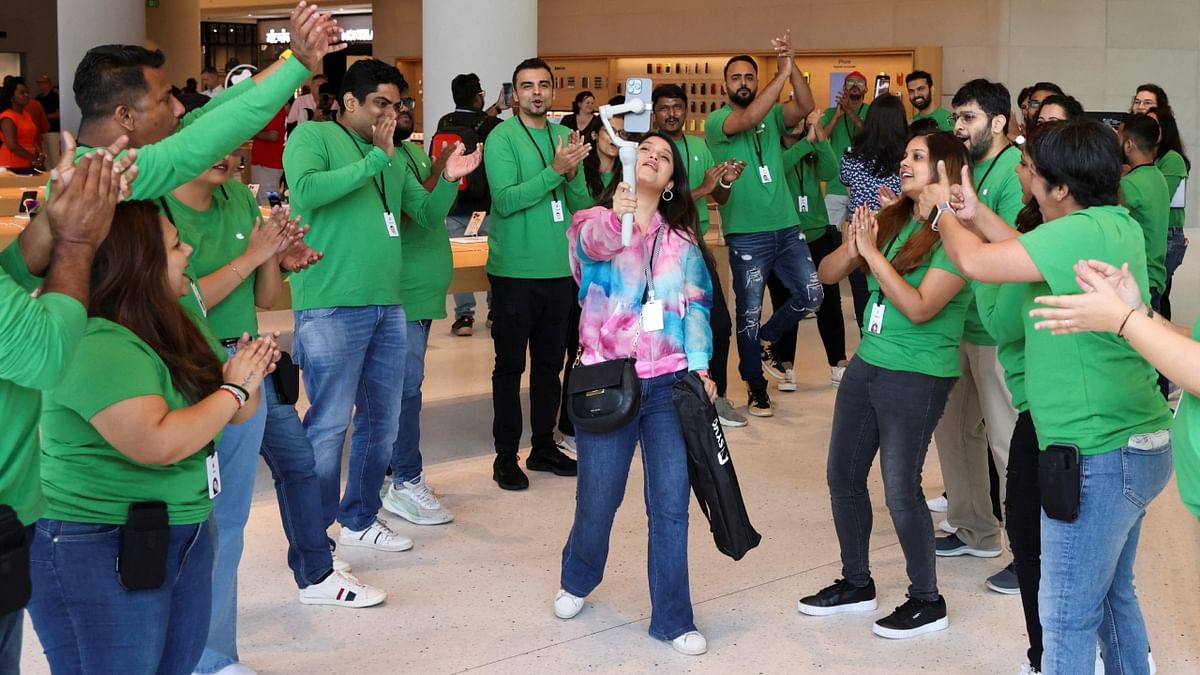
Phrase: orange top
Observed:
(27, 133)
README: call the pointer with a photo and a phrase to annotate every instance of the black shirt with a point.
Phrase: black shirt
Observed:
(483, 123)
(50, 105)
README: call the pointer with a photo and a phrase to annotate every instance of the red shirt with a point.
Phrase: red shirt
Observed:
(27, 135)
(270, 153)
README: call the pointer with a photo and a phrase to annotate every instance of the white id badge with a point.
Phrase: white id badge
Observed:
(652, 316)
(764, 174)
(199, 297)
(1179, 199)
(875, 322)
(802, 203)
(390, 221)
(557, 209)
(214, 474)
(475, 223)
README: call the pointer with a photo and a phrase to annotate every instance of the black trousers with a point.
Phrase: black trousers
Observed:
(830, 322)
(722, 328)
(1023, 506)
(528, 315)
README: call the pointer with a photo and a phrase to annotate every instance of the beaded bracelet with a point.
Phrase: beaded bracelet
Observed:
(236, 397)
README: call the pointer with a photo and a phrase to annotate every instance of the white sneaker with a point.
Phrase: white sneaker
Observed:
(340, 565)
(378, 536)
(938, 504)
(236, 669)
(416, 503)
(789, 380)
(341, 590)
(1027, 669)
(836, 373)
(567, 606)
(946, 527)
(567, 445)
(691, 643)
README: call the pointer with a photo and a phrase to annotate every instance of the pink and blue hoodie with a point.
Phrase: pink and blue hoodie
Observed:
(612, 282)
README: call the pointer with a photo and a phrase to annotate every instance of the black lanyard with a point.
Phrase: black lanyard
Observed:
(654, 249)
(381, 186)
(411, 161)
(887, 256)
(995, 161)
(550, 140)
(758, 143)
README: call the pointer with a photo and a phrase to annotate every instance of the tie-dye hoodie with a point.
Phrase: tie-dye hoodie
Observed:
(612, 280)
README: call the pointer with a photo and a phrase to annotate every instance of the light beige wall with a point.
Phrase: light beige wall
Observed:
(397, 25)
(174, 27)
(31, 28)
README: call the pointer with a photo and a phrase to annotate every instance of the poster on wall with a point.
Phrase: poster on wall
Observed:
(836, 81)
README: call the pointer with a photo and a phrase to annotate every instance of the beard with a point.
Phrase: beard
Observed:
(404, 129)
(981, 145)
(920, 102)
(742, 97)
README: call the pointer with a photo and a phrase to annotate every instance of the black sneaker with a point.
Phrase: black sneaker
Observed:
(772, 365)
(463, 326)
(913, 618)
(1005, 581)
(841, 597)
(552, 460)
(760, 403)
(951, 546)
(507, 473)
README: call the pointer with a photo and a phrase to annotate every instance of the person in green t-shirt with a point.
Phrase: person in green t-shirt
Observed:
(759, 219)
(919, 84)
(893, 391)
(1175, 167)
(840, 124)
(533, 173)
(38, 339)
(1094, 400)
(1144, 192)
(350, 324)
(128, 448)
(706, 178)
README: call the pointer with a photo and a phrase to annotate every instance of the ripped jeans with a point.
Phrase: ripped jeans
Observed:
(752, 258)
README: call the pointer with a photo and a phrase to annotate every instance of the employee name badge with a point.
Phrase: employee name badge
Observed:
(875, 323)
(214, 474)
(764, 174)
(1179, 199)
(390, 221)
(475, 223)
(652, 316)
(556, 208)
(802, 203)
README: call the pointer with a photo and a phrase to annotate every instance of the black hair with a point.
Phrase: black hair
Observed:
(680, 212)
(9, 88)
(1170, 139)
(918, 75)
(879, 145)
(668, 91)
(1046, 86)
(579, 99)
(1160, 94)
(993, 98)
(617, 100)
(532, 64)
(923, 127)
(741, 57)
(464, 88)
(1024, 95)
(1069, 104)
(112, 75)
(190, 85)
(1082, 154)
(1143, 130)
(363, 77)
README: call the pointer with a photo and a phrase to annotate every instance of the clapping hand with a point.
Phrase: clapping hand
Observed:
(783, 49)
(887, 196)
(459, 163)
(568, 156)
(866, 230)
(733, 169)
(815, 133)
(315, 34)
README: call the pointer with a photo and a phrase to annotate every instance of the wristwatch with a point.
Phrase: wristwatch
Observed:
(940, 208)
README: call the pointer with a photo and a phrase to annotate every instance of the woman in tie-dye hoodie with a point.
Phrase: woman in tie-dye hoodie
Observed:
(621, 317)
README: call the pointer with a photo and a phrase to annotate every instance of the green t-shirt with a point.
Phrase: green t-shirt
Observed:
(753, 206)
(1185, 444)
(1144, 193)
(931, 347)
(1001, 308)
(806, 165)
(524, 241)
(699, 161)
(428, 263)
(1088, 389)
(943, 117)
(840, 139)
(339, 183)
(37, 344)
(1175, 170)
(217, 236)
(86, 479)
(999, 189)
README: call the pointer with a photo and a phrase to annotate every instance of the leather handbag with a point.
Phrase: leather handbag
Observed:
(603, 396)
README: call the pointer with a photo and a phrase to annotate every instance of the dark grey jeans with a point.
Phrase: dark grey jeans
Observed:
(892, 412)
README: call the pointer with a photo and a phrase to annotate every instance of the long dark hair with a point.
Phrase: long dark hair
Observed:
(1030, 215)
(879, 146)
(945, 147)
(579, 99)
(1170, 134)
(591, 169)
(129, 287)
(9, 90)
(680, 212)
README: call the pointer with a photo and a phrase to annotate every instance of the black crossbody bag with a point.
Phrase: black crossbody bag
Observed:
(15, 586)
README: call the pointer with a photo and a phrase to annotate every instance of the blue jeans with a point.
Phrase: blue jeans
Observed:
(464, 303)
(753, 258)
(1087, 565)
(289, 456)
(406, 453)
(352, 359)
(87, 621)
(604, 461)
(238, 455)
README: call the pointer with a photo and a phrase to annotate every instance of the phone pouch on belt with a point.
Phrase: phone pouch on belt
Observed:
(145, 541)
(1058, 478)
(14, 562)
(287, 380)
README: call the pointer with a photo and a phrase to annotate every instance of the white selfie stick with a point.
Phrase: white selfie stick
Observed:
(627, 151)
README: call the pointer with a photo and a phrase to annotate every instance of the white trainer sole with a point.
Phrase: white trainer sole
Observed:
(893, 634)
(813, 610)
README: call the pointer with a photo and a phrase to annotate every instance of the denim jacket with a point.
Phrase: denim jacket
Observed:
(612, 284)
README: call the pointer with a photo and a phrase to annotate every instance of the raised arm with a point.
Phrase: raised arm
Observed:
(741, 119)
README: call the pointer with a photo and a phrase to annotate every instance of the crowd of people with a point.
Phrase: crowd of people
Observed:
(1011, 270)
